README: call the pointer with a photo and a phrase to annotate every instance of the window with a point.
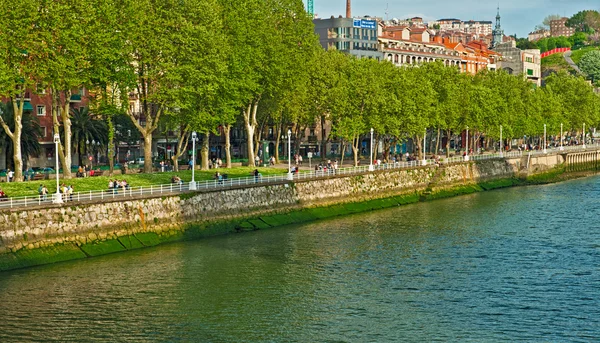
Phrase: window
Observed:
(530, 72)
(41, 110)
(44, 131)
(529, 59)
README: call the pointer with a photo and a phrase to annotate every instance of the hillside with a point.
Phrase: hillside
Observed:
(556, 62)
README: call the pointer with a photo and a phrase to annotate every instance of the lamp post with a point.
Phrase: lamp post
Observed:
(193, 182)
(371, 168)
(57, 196)
(92, 154)
(561, 137)
(583, 134)
(501, 143)
(545, 151)
(290, 176)
(425, 148)
(467, 146)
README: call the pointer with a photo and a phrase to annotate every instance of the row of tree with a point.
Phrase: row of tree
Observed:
(405, 103)
(203, 63)
(207, 65)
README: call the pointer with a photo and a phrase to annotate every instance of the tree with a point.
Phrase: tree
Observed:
(551, 43)
(524, 43)
(29, 143)
(170, 44)
(578, 39)
(87, 128)
(590, 64)
(64, 66)
(587, 21)
(267, 36)
(21, 48)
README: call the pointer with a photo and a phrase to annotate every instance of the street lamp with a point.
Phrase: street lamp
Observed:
(290, 176)
(425, 148)
(561, 137)
(57, 196)
(545, 151)
(501, 143)
(371, 168)
(583, 134)
(193, 183)
(467, 146)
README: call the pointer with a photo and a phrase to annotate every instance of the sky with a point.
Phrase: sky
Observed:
(518, 16)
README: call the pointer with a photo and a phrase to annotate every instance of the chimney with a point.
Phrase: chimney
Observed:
(348, 9)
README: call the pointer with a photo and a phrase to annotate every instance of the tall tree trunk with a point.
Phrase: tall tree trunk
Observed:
(437, 142)
(182, 141)
(204, 151)
(66, 121)
(323, 137)
(258, 137)
(448, 135)
(64, 148)
(147, 152)
(111, 144)
(343, 151)
(251, 124)
(419, 144)
(278, 140)
(355, 147)
(15, 137)
(227, 133)
(387, 144)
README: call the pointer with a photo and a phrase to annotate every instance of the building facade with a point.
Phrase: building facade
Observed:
(355, 36)
(516, 61)
(559, 28)
(39, 104)
(537, 35)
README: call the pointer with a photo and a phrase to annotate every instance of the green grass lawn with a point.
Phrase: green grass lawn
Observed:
(555, 61)
(577, 54)
(17, 189)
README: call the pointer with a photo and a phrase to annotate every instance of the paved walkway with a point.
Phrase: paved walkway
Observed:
(567, 56)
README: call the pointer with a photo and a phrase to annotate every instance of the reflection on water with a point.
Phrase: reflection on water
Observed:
(509, 265)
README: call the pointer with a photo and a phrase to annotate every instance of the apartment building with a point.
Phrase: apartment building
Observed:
(559, 28)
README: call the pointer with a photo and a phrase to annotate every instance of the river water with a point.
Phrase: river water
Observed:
(519, 264)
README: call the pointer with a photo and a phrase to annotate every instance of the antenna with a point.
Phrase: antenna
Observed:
(387, 7)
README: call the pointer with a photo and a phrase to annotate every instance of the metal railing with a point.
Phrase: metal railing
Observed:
(174, 189)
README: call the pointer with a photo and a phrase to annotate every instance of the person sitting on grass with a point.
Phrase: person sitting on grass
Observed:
(3, 196)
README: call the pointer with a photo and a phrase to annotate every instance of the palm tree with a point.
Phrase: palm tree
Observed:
(31, 133)
(87, 128)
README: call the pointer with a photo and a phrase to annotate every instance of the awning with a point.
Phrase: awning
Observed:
(27, 106)
(76, 97)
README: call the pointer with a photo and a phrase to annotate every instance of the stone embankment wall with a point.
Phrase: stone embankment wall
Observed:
(30, 237)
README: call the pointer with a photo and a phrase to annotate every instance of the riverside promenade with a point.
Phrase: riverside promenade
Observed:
(102, 196)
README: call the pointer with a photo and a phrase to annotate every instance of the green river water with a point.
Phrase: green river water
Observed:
(520, 264)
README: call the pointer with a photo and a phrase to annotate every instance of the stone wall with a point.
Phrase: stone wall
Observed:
(86, 227)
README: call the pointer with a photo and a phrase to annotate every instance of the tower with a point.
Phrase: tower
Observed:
(497, 33)
(348, 9)
(310, 7)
